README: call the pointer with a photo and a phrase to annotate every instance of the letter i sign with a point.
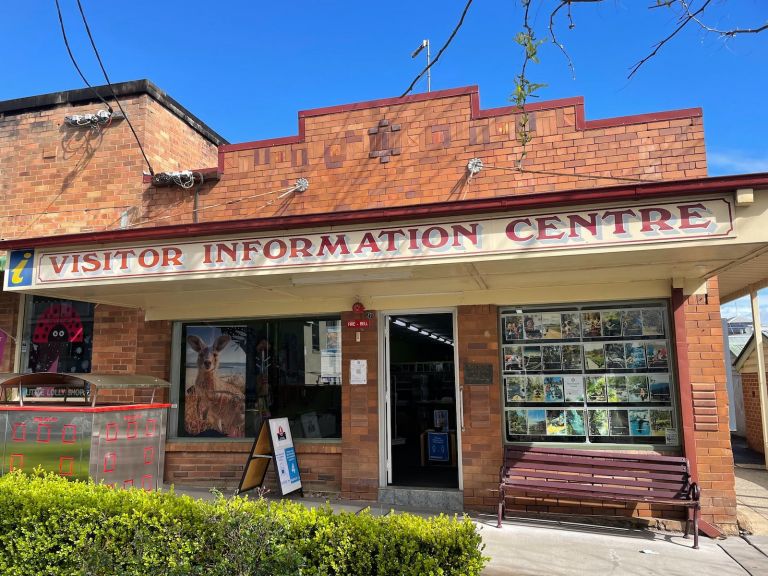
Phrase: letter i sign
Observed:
(20, 263)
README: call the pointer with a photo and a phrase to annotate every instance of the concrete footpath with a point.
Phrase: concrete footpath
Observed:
(533, 547)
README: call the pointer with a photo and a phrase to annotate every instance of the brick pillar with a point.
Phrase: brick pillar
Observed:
(359, 414)
(481, 441)
(10, 315)
(704, 403)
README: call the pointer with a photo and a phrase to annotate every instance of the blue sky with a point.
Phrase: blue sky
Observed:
(246, 68)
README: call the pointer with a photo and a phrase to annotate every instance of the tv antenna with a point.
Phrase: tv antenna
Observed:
(425, 44)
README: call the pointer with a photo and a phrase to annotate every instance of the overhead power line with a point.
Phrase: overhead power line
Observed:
(72, 57)
(440, 52)
(111, 88)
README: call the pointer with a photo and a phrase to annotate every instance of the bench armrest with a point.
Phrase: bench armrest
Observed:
(694, 492)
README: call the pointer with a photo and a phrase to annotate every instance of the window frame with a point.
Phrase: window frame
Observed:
(177, 358)
(585, 306)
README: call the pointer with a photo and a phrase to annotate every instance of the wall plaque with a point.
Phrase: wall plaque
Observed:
(478, 374)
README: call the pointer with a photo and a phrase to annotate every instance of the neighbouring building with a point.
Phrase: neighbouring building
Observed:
(746, 365)
(400, 279)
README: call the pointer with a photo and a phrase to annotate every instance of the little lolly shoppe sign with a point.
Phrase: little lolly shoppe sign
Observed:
(433, 241)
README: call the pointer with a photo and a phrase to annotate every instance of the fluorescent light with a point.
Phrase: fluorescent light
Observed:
(413, 328)
(433, 336)
(424, 332)
(399, 322)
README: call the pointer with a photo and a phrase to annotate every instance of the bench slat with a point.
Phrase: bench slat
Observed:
(594, 487)
(607, 463)
(600, 454)
(588, 495)
(575, 476)
(597, 471)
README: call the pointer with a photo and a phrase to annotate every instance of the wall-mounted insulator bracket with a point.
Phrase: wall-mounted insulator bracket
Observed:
(100, 118)
(184, 179)
(474, 166)
(302, 185)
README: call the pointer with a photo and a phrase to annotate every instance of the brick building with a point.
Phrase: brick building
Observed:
(747, 366)
(565, 294)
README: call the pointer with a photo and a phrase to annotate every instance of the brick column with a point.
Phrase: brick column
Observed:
(704, 403)
(10, 316)
(481, 441)
(359, 414)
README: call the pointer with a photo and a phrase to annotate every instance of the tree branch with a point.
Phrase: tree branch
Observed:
(725, 33)
(685, 21)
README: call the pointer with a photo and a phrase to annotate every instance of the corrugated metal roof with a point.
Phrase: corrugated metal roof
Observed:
(736, 342)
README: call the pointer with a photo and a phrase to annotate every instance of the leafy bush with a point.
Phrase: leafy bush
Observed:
(50, 526)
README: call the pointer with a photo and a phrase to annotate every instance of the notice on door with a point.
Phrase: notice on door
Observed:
(285, 455)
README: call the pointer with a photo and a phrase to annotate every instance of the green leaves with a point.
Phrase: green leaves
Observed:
(50, 526)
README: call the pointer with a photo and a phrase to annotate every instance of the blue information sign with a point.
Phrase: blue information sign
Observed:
(437, 443)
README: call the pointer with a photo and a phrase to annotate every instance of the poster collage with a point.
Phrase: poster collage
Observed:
(588, 375)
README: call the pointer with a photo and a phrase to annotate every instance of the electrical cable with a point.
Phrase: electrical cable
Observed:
(47, 212)
(447, 42)
(72, 57)
(227, 203)
(111, 88)
(572, 175)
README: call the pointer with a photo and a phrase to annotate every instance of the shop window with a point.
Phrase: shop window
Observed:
(590, 374)
(57, 337)
(233, 375)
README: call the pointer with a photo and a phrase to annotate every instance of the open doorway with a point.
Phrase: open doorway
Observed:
(422, 401)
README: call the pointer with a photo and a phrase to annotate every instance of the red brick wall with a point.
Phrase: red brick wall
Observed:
(430, 149)
(481, 440)
(360, 414)
(56, 179)
(708, 441)
(751, 390)
(221, 464)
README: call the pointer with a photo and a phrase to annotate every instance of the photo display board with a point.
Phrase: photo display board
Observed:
(594, 373)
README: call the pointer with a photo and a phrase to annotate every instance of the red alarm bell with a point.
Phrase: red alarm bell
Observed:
(358, 308)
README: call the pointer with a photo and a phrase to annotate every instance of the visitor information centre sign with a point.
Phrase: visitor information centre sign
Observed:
(431, 241)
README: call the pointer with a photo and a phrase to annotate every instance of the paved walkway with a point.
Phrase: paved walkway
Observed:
(528, 547)
(751, 488)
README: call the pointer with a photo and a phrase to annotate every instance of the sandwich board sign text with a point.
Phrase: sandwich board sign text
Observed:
(285, 455)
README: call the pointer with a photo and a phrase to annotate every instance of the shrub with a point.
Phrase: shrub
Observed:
(50, 526)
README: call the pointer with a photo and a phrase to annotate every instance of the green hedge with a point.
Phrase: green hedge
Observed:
(51, 526)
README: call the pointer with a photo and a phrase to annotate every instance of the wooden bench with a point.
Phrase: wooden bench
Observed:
(597, 475)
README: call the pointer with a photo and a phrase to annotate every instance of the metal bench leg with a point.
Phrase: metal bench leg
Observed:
(696, 528)
(688, 514)
(501, 506)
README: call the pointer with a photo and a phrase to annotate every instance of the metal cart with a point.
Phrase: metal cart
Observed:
(55, 421)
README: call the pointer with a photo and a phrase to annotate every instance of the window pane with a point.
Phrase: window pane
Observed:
(596, 373)
(58, 336)
(237, 374)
